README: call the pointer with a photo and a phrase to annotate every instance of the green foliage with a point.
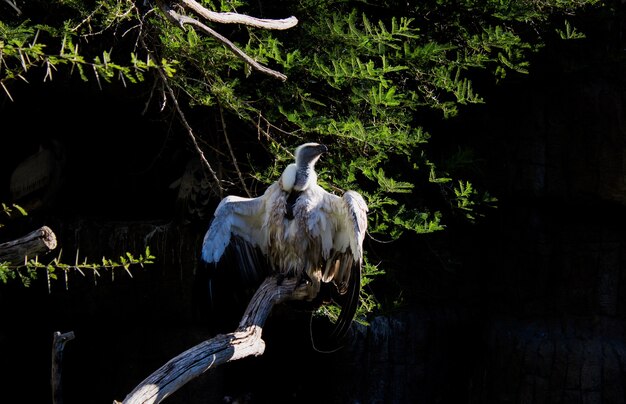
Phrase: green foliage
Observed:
(27, 46)
(364, 77)
(370, 79)
(11, 211)
(570, 32)
(467, 198)
(29, 270)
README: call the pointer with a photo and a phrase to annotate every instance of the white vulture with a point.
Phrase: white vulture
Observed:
(301, 231)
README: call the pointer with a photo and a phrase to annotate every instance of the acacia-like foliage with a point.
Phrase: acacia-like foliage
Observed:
(366, 78)
(31, 267)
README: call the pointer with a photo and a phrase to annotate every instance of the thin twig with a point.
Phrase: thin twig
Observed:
(266, 133)
(232, 153)
(190, 132)
(192, 136)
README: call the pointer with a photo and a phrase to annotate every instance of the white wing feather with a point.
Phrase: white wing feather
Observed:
(357, 212)
(348, 223)
(238, 216)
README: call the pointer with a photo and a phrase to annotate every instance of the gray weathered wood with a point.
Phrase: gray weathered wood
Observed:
(245, 341)
(34, 243)
(236, 18)
(181, 20)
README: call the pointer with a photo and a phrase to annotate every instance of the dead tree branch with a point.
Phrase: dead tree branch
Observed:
(234, 18)
(34, 243)
(14, 6)
(245, 341)
(181, 20)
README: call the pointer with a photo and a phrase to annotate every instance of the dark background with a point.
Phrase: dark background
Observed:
(525, 306)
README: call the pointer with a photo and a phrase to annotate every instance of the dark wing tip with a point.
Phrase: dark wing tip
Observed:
(349, 302)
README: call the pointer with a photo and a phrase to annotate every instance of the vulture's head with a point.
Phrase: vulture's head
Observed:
(300, 175)
(308, 154)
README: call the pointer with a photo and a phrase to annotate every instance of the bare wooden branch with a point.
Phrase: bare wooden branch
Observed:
(34, 243)
(235, 18)
(181, 20)
(245, 341)
(232, 153)
(58, 344)
(14, 6)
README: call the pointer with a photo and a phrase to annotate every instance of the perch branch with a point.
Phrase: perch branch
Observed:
(245, 341)
(181, 20)
(34, 243)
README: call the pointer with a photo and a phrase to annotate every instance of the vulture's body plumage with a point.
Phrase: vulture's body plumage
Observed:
(301, 230)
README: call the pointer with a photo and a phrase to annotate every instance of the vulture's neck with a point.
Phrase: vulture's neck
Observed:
(298, 177)
(305, 177)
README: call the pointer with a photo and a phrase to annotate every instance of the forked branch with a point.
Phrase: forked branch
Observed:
(227, 18)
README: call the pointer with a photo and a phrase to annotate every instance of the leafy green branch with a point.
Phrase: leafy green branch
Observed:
(15, 263)
(11, 210)
(22, 49)
(33, 267)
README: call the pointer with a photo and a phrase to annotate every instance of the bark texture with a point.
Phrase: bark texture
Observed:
(245, 341)
(37, 242)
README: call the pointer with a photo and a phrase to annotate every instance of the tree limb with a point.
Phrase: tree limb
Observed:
(34, 243)
(235, 18)
(245, 341)
(232, 153)
(19, 12)
(181, 20)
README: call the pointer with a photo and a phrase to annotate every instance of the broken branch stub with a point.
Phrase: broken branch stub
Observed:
(35, 243)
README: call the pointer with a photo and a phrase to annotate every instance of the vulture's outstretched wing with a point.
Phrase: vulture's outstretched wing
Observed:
(348, 216)
(343, 268)
(235, 245)
(236, 216)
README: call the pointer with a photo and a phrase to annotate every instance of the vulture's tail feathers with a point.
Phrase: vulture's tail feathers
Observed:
(349, 305)
(349, 302)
